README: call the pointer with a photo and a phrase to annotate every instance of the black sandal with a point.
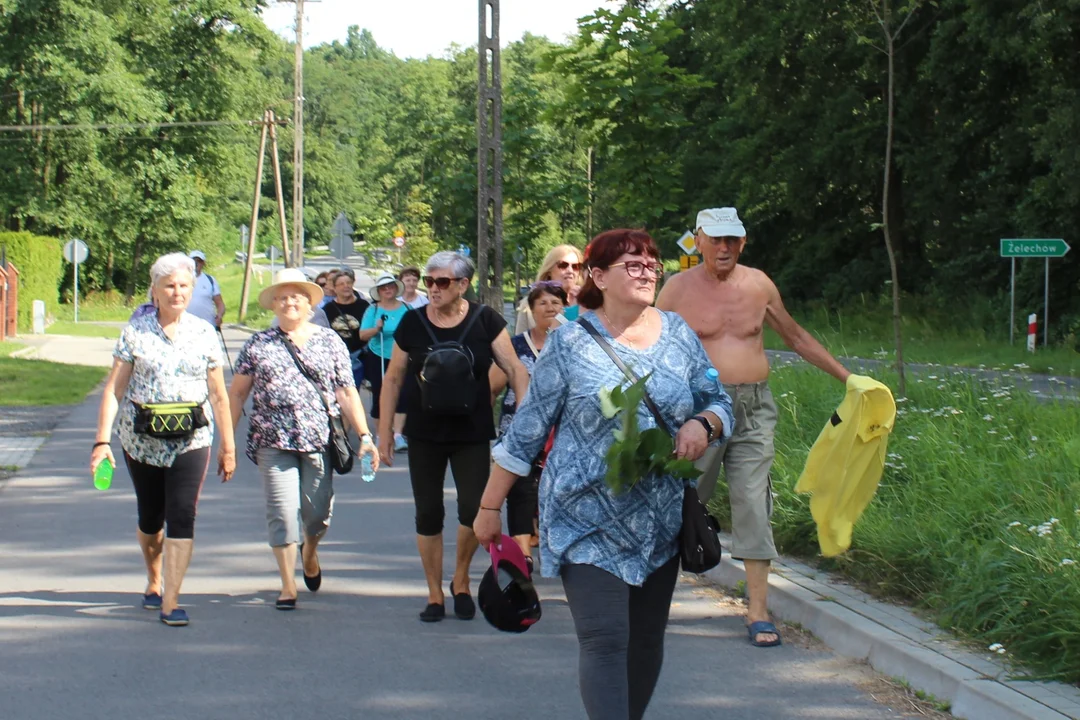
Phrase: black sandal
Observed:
(285, 604)
(464, 607)
(434, 612)
(313, 582)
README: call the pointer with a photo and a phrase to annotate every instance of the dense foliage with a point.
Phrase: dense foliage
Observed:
(650, 113)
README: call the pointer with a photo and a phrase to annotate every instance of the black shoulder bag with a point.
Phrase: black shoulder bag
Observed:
(699, 539)
(341, 452)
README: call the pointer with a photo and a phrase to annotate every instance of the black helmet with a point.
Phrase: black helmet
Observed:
(507, 596)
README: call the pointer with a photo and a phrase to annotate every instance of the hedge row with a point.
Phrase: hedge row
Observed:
(41, 265)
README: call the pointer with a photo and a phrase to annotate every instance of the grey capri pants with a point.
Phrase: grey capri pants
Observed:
(299, 491)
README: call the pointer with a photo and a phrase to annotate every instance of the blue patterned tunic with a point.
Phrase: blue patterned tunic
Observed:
(581, 522)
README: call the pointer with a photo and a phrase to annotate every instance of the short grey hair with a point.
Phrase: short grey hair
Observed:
(461, 266)
(166, 265)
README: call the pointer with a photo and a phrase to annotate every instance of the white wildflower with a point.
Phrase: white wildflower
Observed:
(1000, 651)
(988, 418)
(995, 647)
(1067, 561)
(1034, 438)
(1015, 523)
(912, 437)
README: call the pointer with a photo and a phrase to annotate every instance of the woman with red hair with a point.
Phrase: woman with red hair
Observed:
(616, 553)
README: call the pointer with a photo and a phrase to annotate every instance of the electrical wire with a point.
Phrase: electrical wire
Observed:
(132, 126)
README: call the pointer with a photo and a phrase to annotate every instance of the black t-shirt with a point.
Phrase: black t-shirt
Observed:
(345, 321)
(414, 339)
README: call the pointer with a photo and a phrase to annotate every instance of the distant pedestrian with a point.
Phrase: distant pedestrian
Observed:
(206, 301)
(288, 435)
(345, 311)
(617, 554)
(328, 289)
(562, 264)
(546, 301)
(377, 330)
(164, 358)
(449, 421)
(410, 278)
(728, 305)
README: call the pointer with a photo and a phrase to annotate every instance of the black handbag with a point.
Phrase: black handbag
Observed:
(699, 538)
(341, 451)
(169, 420)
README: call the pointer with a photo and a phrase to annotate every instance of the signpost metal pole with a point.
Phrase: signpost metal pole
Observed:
(1046, 306)
(76, 291)
(1012, 301)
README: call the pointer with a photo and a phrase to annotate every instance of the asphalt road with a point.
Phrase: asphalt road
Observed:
(76, 644)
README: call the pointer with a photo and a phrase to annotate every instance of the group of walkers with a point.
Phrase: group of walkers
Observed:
(441, 365)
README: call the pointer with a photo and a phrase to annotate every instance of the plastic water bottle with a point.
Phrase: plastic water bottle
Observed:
(103, 475)
(367, 472)
(713, 376)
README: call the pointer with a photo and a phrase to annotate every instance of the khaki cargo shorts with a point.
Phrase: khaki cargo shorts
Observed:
(746, 457)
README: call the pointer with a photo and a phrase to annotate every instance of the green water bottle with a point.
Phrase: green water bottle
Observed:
(103, 474)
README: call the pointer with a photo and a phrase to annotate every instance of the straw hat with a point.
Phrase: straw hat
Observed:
(291, 276)
(386, 279)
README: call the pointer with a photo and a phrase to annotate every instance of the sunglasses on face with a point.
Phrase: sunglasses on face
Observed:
(441, 283)
(322, 284)
(562, 265)
(637, 269)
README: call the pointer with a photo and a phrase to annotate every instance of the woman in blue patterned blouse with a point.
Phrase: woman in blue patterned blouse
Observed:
(617, 554)
(546, 300)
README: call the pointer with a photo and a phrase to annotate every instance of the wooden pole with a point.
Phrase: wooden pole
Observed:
(298, 141)
(254, 217)
(278, 189)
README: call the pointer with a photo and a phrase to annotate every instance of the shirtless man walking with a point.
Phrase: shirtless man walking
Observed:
(728, 305)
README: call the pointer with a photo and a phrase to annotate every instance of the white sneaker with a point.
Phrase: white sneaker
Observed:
(400, 443)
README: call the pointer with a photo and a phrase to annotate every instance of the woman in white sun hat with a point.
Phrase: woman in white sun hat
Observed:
(377, 330)
(298, 371)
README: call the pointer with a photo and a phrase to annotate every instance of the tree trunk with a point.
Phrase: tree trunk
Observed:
(890, 48)
(136, 258)
(110, 264)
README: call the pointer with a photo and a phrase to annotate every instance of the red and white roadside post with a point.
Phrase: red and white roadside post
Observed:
(1033, 328)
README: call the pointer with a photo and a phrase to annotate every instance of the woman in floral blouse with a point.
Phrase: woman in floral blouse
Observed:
(289, 432)
(164, 356)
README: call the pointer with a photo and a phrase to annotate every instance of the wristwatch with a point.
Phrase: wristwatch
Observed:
(708, 425)
(365, 436)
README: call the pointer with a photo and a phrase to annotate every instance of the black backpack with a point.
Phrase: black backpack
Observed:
(448, 384)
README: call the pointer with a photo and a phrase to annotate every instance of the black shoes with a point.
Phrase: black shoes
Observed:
(434, 612)
(464, 607)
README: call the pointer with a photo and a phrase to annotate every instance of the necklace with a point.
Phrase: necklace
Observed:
(441, 322)
(622, 333)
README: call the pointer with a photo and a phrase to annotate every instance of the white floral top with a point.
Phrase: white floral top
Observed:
(166, 371)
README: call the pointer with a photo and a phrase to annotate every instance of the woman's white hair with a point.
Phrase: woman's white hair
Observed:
(461, 266)
(166, 265)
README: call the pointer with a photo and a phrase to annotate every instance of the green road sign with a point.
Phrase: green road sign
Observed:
(1034, 248)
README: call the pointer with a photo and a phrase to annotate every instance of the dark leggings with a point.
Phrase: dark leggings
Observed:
(521, 504)
(427, 470)
(167, 496)
(620, 631)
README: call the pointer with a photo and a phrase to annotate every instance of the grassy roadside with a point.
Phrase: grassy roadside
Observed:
(977, 518)
(37, 382)
(6, 348)
(929, 338)
(83, 329)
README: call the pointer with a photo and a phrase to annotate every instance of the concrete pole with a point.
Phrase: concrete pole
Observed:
(298, 142)
(489, 237)
(254, 218)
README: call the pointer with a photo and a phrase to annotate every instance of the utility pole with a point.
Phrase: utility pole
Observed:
(298, 142)
(489, 237)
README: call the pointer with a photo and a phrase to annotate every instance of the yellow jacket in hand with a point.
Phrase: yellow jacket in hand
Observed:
(845, 464)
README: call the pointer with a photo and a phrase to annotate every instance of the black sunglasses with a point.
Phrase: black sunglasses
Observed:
(441, 283)
(562, 265)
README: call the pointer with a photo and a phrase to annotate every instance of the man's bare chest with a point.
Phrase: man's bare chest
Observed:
(725, 314)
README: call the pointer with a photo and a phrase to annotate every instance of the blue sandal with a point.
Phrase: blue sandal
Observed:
(177, 618)
(763, 626)
(151, 601)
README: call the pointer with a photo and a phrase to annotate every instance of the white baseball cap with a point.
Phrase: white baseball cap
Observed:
(720, 222)
(197, 255)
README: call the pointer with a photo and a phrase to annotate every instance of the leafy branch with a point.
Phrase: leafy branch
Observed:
(636, 455)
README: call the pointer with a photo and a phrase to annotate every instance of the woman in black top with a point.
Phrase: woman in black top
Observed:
(449, 421)
(345, 312)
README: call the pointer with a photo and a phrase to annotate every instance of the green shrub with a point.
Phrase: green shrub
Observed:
(41, 265)
(977, 517)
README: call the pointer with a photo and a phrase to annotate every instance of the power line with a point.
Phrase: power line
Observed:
(132, 126)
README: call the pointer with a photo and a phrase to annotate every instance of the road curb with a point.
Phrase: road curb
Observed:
(841, 621)
(24, 353)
